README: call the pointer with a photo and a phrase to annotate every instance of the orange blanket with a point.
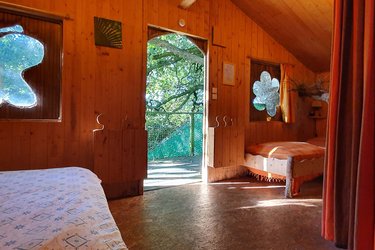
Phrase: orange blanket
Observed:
(282, 150)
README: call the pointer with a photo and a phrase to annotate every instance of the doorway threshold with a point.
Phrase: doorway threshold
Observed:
(163, 173)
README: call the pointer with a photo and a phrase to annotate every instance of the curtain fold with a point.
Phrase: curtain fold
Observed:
(348, 196)
(286, 101)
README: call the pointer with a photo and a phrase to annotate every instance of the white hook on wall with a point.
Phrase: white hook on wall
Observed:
(124, 122)
(217, 121)
(225, 120)
(98, 121)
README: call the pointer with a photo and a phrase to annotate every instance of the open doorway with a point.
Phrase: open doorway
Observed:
(174, 109)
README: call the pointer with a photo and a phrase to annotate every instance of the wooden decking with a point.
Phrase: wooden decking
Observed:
(173, 172)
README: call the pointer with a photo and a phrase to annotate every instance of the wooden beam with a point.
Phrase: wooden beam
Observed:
(185, 4)
(14, 8)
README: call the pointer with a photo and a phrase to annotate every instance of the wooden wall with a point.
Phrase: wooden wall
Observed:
(321, 124)
(243, 39)
(98, 80)
(95, 80)
(166, 14)
(236, 39)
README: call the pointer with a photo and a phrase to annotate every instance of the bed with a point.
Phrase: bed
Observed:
(293, 162)
(62, 208)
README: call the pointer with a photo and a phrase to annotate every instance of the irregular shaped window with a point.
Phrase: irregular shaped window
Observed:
(18, 52)
(267, 94)
(256, 69)
(30, 65)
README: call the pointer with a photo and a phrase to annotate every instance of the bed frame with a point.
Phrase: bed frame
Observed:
(293, 170)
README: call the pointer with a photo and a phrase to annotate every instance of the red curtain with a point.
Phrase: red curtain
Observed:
(348, 197)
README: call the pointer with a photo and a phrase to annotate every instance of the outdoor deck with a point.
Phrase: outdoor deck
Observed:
(173, 172)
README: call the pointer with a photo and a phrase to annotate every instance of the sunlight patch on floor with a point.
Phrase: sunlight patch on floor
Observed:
(174, 182)
(169, 173)
(174, 176)
(285, 202)
(171, 170)
(259, 187)
(165, 164)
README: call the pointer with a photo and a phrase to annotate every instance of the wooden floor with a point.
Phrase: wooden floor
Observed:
(237, 214)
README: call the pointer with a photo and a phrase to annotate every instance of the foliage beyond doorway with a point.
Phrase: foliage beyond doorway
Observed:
(174, 94)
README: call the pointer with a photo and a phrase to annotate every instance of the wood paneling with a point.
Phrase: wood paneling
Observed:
(166, 14)
(120, 157)
(321, 124)
(186, 3)
(99, 80)
(95, 80)
(303, 27)
(242, 39)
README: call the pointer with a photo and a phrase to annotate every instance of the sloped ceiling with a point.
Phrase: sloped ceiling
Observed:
(303, 27)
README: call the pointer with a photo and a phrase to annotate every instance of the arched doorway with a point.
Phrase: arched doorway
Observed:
(174, 109)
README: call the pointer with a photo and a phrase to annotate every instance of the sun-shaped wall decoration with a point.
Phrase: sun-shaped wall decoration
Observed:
(267, 94)
(108, 33)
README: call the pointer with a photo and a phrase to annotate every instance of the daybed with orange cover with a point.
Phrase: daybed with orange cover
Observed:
(294, 162)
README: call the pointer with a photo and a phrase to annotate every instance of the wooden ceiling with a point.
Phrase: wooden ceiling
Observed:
(303, 27)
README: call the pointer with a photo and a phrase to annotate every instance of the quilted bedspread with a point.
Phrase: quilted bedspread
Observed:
(282, 150)
(62, 208)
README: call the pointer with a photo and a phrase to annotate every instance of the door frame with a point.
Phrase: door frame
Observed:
(153, 31)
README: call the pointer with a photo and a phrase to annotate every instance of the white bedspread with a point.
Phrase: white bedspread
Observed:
(62, 208)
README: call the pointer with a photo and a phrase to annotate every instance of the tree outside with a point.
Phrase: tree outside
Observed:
(174, 95)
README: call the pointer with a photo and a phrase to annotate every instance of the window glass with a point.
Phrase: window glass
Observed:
(18, 52)
(264, 91)
(267, 94)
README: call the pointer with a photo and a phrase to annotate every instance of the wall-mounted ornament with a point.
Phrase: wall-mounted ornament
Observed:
(181, 22)
(228, 74)
(108, 32)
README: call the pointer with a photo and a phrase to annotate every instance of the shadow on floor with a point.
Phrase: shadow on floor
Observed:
(173, 172)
